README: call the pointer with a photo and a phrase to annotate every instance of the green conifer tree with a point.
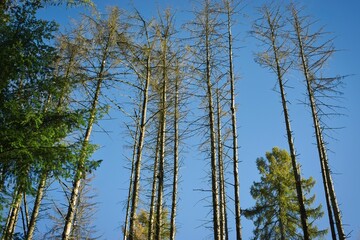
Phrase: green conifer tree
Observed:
(276, 214)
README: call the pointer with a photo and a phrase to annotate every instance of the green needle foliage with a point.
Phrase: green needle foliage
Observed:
(34, 128)
(276, 212)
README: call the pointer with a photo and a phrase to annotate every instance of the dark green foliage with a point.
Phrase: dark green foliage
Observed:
(276, 212)
(34, 129)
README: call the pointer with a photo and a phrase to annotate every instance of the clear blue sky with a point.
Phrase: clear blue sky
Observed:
(260, 122)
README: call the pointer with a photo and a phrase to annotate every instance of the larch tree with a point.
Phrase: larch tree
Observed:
(270, 31)
(276, 214)
(99, 59)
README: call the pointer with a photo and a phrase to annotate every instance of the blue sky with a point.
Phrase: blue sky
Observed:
(260, 125)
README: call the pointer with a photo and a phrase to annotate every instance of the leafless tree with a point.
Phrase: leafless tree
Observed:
(269, 30)
(312, 57)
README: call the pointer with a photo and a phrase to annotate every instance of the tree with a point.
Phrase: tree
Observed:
(230, 11)
(139, 58)
(276, 212)
(270, 31)
(32, 127)
(312, 56)
(205, 30)
(98, 44)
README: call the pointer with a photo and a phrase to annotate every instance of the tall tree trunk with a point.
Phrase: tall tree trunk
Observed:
(325, 171)
(222, 190)
(126, 223)
(80, 171)
(136, 184)
(296, 170)
(154, 187)
(100, 71)
(35, 212)
(209, 95)
(163, 114)
(233, 125)
(176, 157)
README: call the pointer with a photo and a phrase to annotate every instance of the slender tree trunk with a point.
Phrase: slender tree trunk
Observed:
(23, 220)
(26, 211)
(234, 126)
(209, 95)
(222, 190)
(80, 172)
(326, 174)
(335, 206)
(154, 187)
(37, 203)
(126, 223)
(136, 185)
(163, 112)
(13, 216)
(176, 158)
(296, 170)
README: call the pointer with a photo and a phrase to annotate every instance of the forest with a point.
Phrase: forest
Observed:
(145, 108)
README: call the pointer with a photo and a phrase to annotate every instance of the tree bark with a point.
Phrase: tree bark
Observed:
(154, 188)
(176, 157)
(163, 116)
(222, 189)
(35, 212)
(13, 216)
(126, 223)
(209, 95)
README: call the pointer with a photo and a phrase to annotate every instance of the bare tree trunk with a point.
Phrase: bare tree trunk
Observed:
(26, 211)
(209, 95)
(296, 170)
(136, 184)
(37, 203)
(154, 187)
(100, 71)
(234, 125)
(335, 206)
(176, 157)
(126, 223)
(222, 190)
(325, 171)
(163, 111)
(13, 216)
(80, 171)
